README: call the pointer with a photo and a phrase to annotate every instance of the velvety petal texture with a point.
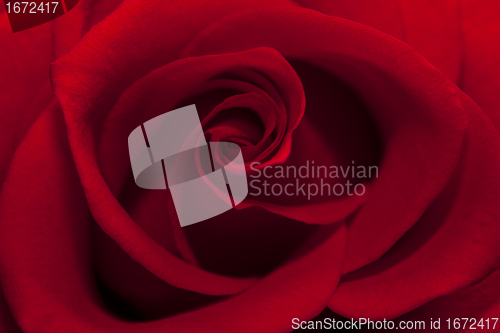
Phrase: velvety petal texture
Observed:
(407, 104)
(56, 264)
(443, 238)
(481, 300)
(405, 87)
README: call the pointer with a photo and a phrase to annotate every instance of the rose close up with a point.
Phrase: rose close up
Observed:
(410, 88)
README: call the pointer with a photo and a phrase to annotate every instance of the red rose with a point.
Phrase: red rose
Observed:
(394, 85)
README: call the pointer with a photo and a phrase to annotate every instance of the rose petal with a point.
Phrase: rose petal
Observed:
(453, 245)
(96, 11)
(147, 95)
(419, 115)
(480, 301)
(130, 236)
(118, 225)
(382, 15)
(7, 322)
(481, 70)
(47, 273)
(25, 58)
(433, 28)
(317, 213)
(25, 62)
